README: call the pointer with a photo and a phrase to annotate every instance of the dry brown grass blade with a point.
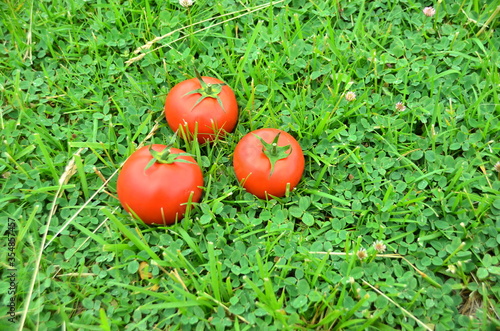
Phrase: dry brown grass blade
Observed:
(64, 178)
(69, 171)
(399, 306)
(29, 38)
(488, 21)
(150, 43)
(394, 256)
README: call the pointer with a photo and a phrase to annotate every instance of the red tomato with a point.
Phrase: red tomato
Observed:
(253, 158)
(208, 109)
(158, 193)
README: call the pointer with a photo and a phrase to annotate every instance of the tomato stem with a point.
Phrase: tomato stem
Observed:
(165, 156)
(207, 90)
(273, 151)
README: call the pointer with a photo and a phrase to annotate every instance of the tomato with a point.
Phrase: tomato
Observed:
(201, 106)
(266, 161)
(157, 182)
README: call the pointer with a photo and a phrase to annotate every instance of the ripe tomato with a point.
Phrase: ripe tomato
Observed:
(204, 106)
(266, 161)
(156, 183)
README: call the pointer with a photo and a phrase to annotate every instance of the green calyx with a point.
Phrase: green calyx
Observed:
(165, 157)
(207, 90)
(273, 151)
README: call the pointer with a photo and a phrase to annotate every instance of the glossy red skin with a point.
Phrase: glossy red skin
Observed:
(162, 187)
(213, 121)
(252, 167)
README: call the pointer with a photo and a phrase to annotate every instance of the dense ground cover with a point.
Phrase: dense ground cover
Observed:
(399, 119)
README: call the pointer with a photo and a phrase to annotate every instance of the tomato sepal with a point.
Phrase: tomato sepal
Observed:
(273, 151)
(207, 90)
(165, 157)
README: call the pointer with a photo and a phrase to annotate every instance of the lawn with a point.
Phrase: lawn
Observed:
(395, 224)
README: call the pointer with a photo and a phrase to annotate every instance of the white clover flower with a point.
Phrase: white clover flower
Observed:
(350, 96)
(379, 246)
(429, 11)
(362, 254)
(400, 106)
(186, 3)
(497, 167)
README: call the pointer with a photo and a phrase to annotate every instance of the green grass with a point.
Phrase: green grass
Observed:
(76, 101)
